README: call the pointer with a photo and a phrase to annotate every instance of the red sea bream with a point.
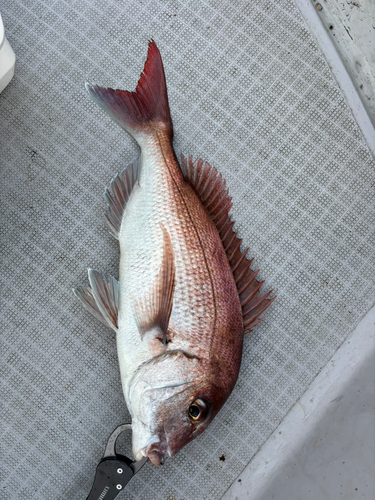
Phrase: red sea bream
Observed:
(186, 293)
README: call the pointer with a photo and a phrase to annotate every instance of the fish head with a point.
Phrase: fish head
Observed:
(171, 402)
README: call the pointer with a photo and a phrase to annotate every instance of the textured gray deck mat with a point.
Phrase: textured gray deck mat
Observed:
(250, 92)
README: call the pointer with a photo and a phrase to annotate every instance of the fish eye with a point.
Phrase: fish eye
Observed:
(199, 410)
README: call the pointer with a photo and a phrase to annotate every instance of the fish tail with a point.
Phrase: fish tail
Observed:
(144, 111)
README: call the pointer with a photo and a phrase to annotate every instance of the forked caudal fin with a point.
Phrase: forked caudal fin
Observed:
(143, 110)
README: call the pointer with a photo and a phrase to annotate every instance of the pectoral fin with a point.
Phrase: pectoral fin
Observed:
(154, 309)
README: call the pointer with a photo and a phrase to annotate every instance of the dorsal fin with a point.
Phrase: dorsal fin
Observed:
(84, 294)
(154, 309)
(118, 194)
(106, 292)
(212, 191)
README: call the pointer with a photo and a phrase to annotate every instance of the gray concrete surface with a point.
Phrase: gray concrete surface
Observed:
(337, 459)
(351, 26)
(325, 448)
(345, 36)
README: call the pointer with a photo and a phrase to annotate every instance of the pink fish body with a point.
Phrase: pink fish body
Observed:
(186, 293)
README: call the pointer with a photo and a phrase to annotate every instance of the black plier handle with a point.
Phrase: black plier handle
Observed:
(114, 471)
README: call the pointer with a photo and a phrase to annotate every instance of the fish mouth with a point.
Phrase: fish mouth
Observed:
(156, 453)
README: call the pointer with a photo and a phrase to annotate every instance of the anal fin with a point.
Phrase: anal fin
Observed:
(154, 309)
(118, 194)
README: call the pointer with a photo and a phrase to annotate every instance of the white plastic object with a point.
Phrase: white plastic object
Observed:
(7, 59)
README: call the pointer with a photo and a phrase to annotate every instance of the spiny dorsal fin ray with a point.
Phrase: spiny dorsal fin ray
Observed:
(106, 292)
(84, 294)
(212, 191)
(154, 309)
(118, 194)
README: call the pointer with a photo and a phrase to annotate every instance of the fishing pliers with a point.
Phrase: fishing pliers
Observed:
(113, 471)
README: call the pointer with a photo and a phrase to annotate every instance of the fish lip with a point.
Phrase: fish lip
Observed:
(153, 440)
(155, 453)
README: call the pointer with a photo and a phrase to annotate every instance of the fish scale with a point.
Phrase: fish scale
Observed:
(186, 292)
(167, 208)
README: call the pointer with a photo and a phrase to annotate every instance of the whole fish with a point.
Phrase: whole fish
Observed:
(186, 293)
